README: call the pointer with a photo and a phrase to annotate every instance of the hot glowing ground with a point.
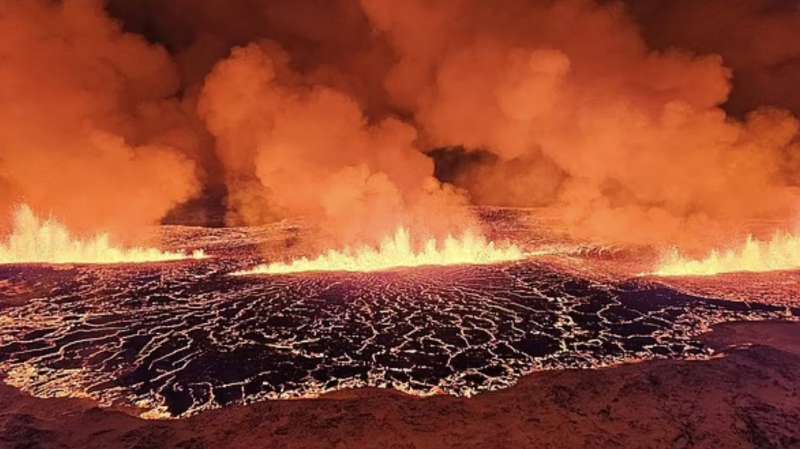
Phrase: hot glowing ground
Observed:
(179, 337)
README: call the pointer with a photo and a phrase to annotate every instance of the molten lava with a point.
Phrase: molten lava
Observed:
(782, 252)
(398, 251)
(34, 240)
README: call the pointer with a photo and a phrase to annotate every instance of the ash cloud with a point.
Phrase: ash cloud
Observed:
(637, 122)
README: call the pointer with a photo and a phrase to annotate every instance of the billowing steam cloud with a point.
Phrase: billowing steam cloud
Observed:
(291, 148)
(632, 128)
(628, 143)
(758, 39)
(87, 129)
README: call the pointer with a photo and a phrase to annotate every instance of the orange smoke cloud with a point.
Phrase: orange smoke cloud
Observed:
(290, 147)
(629, 144)
(86, 128)
(603, 111)
(756, 38)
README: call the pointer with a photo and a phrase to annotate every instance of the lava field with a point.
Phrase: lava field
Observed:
(173, 339)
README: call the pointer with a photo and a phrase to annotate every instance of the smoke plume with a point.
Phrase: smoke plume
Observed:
(291, 147)
(757, 39)
(88, 129)
(627, 143)
(652, 122)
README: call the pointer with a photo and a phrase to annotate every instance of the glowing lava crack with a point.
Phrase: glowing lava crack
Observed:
(398, 251)
(47, 241)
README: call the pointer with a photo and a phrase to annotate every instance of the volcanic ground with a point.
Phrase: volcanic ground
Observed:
(173, 339)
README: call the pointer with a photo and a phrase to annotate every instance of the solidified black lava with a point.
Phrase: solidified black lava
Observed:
(186, 336)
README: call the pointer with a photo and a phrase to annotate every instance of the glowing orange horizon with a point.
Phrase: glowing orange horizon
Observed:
(782, 252)
(34, 240)
(398, 252)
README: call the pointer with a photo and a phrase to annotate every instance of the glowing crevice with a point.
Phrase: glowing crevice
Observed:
(398, 251)
(34, 240)
(782, 252)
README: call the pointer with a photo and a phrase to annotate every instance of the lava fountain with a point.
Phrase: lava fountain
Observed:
(398, 251)
(35, 240)
(782, 252)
